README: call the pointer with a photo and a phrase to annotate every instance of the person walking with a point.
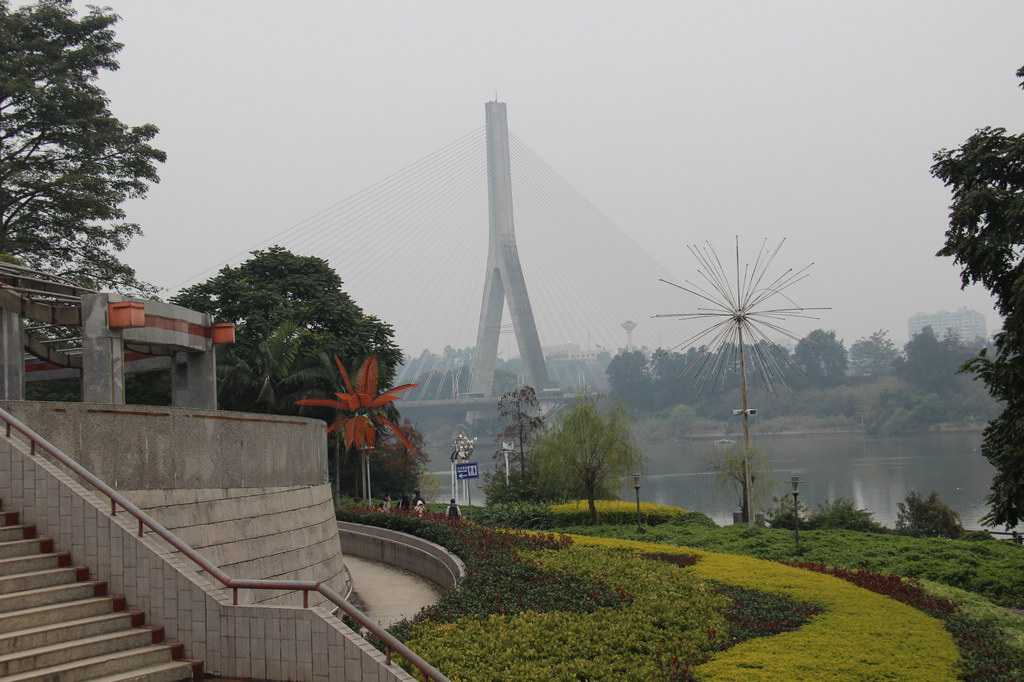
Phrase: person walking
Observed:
(453, 511)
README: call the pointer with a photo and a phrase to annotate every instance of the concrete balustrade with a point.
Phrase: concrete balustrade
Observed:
(401, 550)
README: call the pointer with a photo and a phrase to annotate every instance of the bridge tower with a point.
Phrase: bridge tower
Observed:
(504, 273)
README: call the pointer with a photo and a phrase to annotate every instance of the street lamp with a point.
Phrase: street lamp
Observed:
(795, 481)
(636, 485)
(462, 449)
(506, 449)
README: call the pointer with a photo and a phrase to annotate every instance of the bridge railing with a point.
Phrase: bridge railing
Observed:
(37, 443)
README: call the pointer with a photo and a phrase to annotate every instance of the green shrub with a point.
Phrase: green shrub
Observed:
(693, 520)
(529, 515)
(927, 518)
(522, 486)
(842, 515)
(780, 514)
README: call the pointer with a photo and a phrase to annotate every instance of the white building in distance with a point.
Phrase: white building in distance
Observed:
(967, 324)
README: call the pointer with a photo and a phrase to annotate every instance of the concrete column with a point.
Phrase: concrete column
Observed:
(504, 272)
(102, 354)
(194, 380)
(12, 357)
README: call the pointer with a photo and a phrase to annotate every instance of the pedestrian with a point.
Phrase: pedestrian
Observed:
(453, 510)
(417, 498)
(386, 504)
(420, 510)
(403, 505)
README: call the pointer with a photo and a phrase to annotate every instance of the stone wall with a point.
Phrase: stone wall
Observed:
(140, 447)
(245, 490)
(252, 642)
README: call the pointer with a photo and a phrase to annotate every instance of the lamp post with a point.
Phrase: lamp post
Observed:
(636, 486)
(795, 481)
(462, 450)
(506, 449)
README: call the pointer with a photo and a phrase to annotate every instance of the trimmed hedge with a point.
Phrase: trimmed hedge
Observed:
(614, 512)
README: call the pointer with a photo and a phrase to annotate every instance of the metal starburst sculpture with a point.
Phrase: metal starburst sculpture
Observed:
(740, 317)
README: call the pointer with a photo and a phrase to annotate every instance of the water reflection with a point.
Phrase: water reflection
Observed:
(875, 473)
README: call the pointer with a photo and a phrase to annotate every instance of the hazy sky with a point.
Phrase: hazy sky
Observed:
(682, 121)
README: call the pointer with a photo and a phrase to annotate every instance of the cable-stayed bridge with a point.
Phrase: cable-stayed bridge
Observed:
(413, 250)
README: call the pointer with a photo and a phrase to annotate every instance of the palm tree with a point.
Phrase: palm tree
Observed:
(362, 413)
(270, 377)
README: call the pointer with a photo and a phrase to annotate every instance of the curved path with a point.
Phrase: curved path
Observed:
(389, 594)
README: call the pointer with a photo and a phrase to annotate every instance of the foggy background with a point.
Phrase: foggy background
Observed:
(681, 122)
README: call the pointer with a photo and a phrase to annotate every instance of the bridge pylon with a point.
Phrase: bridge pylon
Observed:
(504, 278)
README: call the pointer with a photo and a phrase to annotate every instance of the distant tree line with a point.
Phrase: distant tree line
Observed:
(872, 385)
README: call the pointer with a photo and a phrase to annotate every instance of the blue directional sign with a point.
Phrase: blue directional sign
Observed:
(467, 470)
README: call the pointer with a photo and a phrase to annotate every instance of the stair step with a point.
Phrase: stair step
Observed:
(77, 650)
(8, 518)
(166, 672)
(33, 562)
(55, 613)
(43, 596)
(19, 582)
(66, 631)
(22, 547)
(16, 532)
(105, 666)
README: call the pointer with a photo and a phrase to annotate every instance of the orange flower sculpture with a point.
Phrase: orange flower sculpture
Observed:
(361, 405)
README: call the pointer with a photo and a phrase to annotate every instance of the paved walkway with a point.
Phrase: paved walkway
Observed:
(389, 594)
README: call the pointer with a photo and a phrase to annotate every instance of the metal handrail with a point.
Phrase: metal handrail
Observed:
(36, 441)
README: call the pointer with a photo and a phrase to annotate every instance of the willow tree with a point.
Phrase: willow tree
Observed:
(587, 452)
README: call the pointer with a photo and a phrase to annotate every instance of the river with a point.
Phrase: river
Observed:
(875, 473)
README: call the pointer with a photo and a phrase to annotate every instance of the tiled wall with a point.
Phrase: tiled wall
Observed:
(264, 642)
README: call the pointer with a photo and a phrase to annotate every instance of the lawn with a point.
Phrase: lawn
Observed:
(666, 605)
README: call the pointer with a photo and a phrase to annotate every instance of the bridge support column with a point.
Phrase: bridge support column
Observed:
(102, 354)
(12, 356)
(504, 278)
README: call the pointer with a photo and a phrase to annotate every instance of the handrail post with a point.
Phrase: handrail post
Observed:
(113, 507)
(141, 529)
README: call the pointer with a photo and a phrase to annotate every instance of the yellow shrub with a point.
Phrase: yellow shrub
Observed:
(861, 635)
(613, 512)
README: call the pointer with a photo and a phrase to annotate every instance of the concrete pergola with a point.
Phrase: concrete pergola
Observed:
(119, 335)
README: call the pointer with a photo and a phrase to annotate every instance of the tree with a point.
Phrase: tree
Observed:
(362, 411)
(271, 378)
(874, 356)
(629, 378)
(931, 364)
(275, 287)
(67, 165)
(986, 238)
(588, 452)
(729, 466)
(519, 411)
(822, 358)
(400, 468)
(927, 518)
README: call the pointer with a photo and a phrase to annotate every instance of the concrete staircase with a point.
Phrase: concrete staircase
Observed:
(56, 624)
